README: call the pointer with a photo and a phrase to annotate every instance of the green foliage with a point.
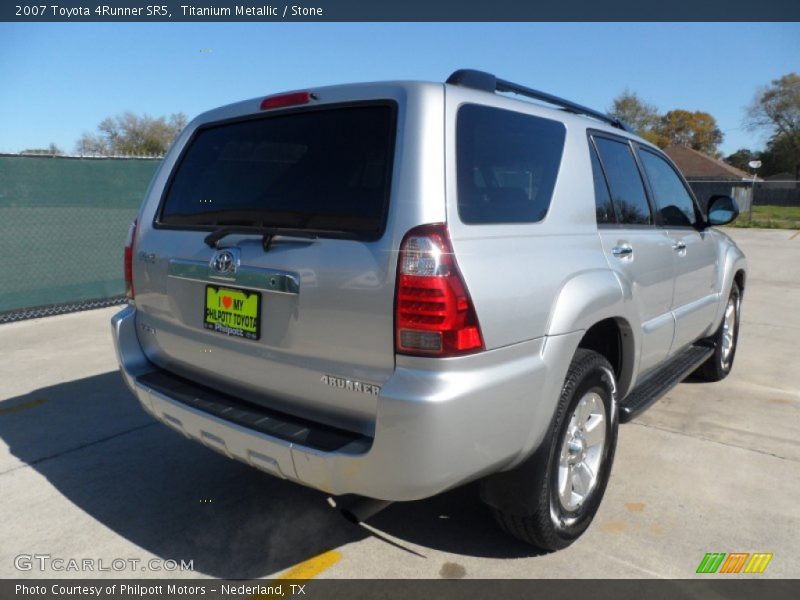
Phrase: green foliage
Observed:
(770, 217)
(775, 158)
(782, 155)
(776, 108)
(634, 112)
(697, 129)
(741, 158)
(132, 135)
(51, 150)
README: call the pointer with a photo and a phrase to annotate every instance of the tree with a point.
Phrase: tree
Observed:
(780, 156)
(129, 134)
(776, 108)
(51, 150)
(741, 158)
(698, 130)
(635, 112)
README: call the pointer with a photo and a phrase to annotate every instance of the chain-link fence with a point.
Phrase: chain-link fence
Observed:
(63, 223)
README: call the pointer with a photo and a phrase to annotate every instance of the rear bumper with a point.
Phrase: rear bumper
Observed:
(434, 429)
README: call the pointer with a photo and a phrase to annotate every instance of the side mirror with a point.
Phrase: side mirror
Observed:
(722, 210)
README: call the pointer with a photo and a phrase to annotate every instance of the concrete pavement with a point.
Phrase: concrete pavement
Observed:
(85, 473)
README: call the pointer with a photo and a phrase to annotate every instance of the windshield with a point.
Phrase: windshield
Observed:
(321, 170)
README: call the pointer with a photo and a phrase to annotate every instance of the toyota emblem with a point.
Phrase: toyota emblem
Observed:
(224, 262)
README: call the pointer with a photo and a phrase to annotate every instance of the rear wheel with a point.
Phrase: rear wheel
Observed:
(571, 476)
(725, 339)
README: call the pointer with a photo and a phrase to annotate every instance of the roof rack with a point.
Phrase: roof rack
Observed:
(480, 80)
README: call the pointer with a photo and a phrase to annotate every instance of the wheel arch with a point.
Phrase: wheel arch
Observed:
(613, 338)
(598, 303)
(584, 299)
(734, 270)
(739, 277)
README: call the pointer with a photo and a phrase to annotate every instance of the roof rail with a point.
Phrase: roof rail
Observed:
(480, 80)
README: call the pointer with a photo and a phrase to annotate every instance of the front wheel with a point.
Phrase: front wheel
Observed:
(572, 474)
(719, 364)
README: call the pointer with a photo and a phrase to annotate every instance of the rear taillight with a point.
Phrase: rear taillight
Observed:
(434, 315)
(129, 261)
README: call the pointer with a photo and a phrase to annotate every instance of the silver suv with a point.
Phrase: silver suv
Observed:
(392, 289)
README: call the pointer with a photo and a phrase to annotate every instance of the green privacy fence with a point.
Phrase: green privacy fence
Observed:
(63, 224)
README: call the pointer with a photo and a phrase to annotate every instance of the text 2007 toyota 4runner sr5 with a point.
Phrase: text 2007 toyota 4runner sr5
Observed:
(391, 289)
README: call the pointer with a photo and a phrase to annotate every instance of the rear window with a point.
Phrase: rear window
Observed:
(320, 170)
(507, 165)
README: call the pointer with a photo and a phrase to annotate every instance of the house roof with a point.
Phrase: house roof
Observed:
(696, 165)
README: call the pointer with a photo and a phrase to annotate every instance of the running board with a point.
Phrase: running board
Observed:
(645, 394)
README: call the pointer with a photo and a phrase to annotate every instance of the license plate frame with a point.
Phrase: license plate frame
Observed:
(238, 323)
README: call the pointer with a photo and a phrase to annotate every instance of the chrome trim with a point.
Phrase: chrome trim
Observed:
(622, 251)
(224, 264)
(253, 278)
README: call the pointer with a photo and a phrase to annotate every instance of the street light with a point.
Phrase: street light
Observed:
(753, 164)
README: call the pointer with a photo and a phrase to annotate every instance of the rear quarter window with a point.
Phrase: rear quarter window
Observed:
(507, 164)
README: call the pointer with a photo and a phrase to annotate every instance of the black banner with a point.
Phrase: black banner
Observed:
(716, 587)
(401, 10)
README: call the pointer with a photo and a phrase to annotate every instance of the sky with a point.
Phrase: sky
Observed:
(59, 80)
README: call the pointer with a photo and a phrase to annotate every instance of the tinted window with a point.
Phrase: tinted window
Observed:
(672, 201)
(602, 199)
(324, 170)
(624, 181)
(507, 165)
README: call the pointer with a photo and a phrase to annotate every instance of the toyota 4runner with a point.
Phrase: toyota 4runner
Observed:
(392, 289)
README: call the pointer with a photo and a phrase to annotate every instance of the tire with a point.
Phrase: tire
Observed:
(719, 364)
(554, 520)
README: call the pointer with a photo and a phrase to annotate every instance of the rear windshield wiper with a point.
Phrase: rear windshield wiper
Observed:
(267, 233)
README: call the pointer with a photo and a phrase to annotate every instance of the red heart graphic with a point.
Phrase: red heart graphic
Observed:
(227, 301)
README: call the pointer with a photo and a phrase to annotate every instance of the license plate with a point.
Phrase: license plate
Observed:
(233, 312)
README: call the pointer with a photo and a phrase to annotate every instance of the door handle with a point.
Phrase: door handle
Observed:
(622, 251)
(678, 246)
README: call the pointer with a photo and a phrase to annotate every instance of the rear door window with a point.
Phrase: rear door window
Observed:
(320, 170)
(507, 165)
(624, 182)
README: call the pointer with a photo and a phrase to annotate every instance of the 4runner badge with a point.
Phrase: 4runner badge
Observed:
(348, 384)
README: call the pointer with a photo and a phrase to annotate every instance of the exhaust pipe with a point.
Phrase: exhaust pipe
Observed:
(364, 508)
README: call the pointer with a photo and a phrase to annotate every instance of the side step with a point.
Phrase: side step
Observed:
(646, 393)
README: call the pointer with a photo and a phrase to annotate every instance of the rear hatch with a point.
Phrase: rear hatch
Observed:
(295, 314)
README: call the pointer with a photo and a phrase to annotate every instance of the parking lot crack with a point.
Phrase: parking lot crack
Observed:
(77, 448)
(707, 439)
